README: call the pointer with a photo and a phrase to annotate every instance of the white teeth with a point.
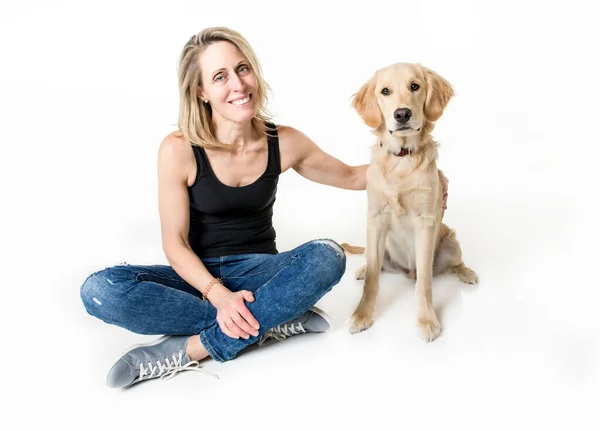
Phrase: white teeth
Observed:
(241, 101)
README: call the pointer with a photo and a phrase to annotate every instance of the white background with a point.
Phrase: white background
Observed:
(88, 92)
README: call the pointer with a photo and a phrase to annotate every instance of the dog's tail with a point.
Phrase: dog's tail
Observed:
(353, 249)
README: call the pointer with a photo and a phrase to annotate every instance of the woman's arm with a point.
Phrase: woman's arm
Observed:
(310, 161)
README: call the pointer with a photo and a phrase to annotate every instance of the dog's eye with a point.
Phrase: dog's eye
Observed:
(385, 91)
(414, 87)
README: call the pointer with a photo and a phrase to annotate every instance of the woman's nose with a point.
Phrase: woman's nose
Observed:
(236, 83)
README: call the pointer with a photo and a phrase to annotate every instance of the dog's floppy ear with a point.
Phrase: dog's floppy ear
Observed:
(365, 104)
(439, 92)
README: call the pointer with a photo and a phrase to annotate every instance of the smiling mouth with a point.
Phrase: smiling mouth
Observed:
(240, 102)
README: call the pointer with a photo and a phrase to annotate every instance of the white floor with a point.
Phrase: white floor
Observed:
(520, 351)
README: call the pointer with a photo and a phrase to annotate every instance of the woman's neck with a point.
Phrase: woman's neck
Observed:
(235, 134)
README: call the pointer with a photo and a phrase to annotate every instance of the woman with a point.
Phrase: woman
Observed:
(227, 285)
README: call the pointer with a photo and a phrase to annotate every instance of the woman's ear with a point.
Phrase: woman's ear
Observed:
(200, 95)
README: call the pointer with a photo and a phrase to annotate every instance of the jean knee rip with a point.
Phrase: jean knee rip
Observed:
(334, 245)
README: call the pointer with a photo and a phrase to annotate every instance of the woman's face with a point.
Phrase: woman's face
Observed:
(228, 83)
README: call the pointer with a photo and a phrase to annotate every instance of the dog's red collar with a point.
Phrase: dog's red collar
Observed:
(403, 151)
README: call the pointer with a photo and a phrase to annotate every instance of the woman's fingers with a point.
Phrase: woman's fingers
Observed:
(244, 326)
(224, 327)
(248, 317)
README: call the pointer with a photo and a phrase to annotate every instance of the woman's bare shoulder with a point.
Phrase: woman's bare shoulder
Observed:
(175, 146)
(175, 151)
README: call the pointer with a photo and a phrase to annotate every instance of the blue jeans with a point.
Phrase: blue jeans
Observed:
(156, 300)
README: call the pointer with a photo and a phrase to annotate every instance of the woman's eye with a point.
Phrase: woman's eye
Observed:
(414, 87)
(385, 91)
(219, 78)
(244, 69)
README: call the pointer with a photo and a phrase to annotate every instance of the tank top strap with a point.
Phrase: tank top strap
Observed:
(202, 165)
(273, 143)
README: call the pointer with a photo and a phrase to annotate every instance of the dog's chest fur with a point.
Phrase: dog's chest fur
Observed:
(403, 193)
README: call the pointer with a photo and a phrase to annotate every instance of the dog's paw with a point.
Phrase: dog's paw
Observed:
(360, 322)
(429, 327)
(360, 272)
(467, 275)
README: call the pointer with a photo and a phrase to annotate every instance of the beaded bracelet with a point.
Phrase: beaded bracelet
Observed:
(209, 286)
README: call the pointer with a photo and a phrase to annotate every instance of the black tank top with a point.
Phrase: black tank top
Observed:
(227, 220)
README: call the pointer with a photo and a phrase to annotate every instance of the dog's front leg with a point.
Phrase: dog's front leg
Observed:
(427, 322)
(377, 229)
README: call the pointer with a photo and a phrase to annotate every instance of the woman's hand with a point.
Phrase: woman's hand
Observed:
(234, 318)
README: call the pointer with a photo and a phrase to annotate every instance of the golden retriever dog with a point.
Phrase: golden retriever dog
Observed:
(405, 232)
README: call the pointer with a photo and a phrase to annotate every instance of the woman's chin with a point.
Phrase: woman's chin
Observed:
(235, 114)
(242, 116)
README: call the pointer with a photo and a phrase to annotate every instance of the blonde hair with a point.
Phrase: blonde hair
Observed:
(195, 116)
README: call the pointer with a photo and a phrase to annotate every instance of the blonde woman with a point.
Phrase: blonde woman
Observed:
(227, 285)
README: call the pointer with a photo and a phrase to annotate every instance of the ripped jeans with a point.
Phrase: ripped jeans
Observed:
(156, 300)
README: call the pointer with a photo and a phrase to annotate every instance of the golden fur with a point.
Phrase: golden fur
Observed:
(405, 193)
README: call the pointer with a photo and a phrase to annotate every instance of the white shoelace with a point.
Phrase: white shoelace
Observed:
(169, 369)
(281, 332)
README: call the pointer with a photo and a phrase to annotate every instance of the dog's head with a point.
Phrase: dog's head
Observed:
(403, 99)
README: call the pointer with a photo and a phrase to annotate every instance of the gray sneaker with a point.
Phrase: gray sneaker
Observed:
(314, 320)
(162, 358)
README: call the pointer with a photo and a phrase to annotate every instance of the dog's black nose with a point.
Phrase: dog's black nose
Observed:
(402, 115)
